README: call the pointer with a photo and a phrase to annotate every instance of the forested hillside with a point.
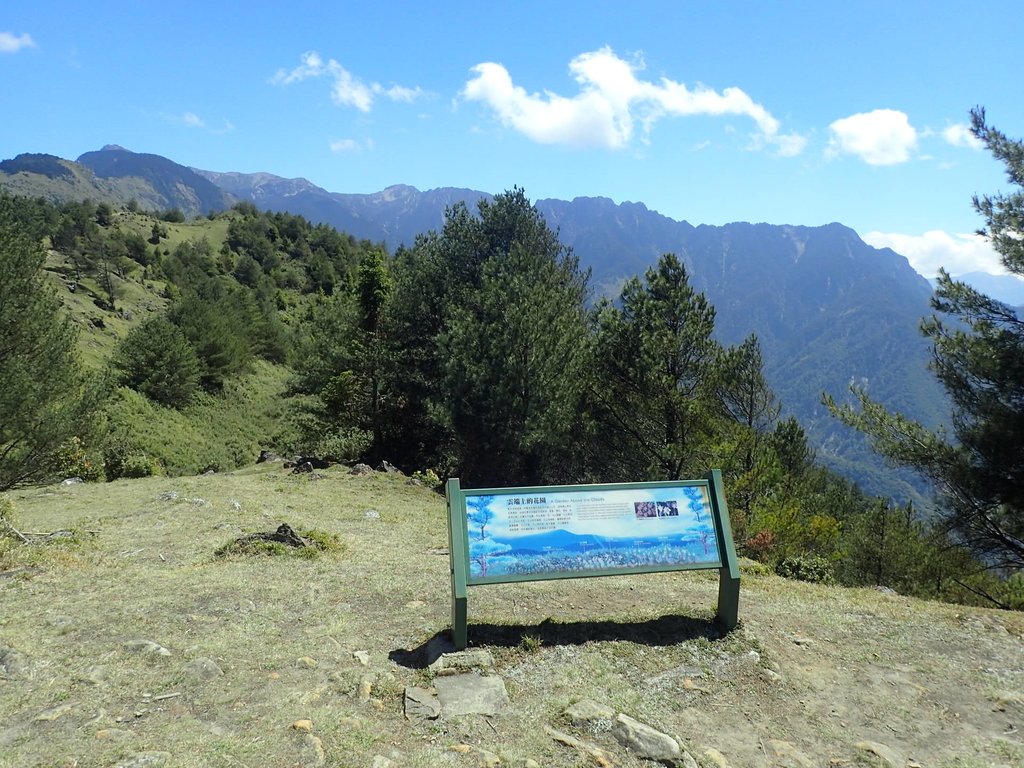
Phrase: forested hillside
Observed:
(472, 353)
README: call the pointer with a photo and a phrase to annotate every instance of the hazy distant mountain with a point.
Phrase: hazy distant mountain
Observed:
(114, 175)
(1006, 288)
(829, 309)
(178, 186)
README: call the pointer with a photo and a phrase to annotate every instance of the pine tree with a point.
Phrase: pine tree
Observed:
(978, 356)
(45, 397)
(657, 376)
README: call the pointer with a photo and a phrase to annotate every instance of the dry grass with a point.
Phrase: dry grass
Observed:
(927, 679)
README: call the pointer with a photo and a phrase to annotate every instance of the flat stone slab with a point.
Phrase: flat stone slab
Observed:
(471, 694)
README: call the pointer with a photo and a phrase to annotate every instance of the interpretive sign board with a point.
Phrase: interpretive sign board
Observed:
(501, 535)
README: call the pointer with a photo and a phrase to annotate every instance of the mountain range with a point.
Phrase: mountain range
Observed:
(828, 309)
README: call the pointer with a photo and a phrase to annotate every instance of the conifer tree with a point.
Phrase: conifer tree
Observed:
(45, 397)
(978, 356)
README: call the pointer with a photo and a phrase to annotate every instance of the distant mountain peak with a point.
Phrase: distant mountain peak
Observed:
(113, 148)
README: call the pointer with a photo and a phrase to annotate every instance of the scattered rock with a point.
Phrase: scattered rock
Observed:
(379, 761)
(311, 751)
(235, 505)
(887, 754)
(267, 456)
(471, 694)
(12, 663)
(53, 713)
(371, 514)
(202, 669)
(415, 604)
(487, 759)
(387, 466)
(365, 689)
(94, 675)
(786, 755)
(307, 662)
(645, 741)
(770, 675)
(361, 469)
(363, 657)
(72, 481)
(303, 726)
(147, 647)
(113, 734)
(601, 756)
(587, 710)
(168, 496)
(715, 758)
(471, 658)
(147, 760)
(421, 704)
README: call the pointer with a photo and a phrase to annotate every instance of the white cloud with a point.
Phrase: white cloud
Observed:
(11, 43)
(610, 102)
(958, 254)
(960, 135)
(879, 137)
(347, 90)
(350, 145)
(194, 120)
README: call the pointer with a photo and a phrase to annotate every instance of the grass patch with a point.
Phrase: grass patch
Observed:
(314, 543)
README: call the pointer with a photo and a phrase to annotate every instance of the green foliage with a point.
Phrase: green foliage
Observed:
(72, 459)
(157, 360)
(812, 568)
(45, 398)
(320, 542)
(657, 394)
(979, 358)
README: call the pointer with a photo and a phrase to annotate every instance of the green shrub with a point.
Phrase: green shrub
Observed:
(812, 568)
(72, 459)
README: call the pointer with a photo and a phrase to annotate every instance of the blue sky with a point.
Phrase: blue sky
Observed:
(782, 112)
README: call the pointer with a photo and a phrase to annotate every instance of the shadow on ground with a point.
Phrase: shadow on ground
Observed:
(664, 630)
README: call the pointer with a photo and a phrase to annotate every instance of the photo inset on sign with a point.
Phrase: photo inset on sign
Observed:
(559, 532)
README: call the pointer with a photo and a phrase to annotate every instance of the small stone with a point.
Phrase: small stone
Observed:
(471, 694)
(147, 760)
(94, 675)
(803, 642)
(486, 759)
(379, 761)
(274, 676)
(415, 604)
(12, 663)
(307, 662)
(716, 758)
(311, 751)
(421, 704)
(304, 726)
(887, 754)
(472, 658)
(770, 675)
(53, 713)
(371, 514)
(202, 669)
(361, 469)
(587, 710)
(530, 763)
(365, 689)
(147, 647)
(786, 755)
(462, 749)
(362, 657)
(113, 734)
(72, 481)
(644, 740)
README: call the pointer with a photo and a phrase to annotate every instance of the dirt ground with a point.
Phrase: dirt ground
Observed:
(271, 661)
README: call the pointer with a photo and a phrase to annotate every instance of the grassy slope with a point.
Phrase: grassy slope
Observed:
(939, 684)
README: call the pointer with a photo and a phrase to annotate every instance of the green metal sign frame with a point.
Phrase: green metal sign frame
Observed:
(469, 559)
